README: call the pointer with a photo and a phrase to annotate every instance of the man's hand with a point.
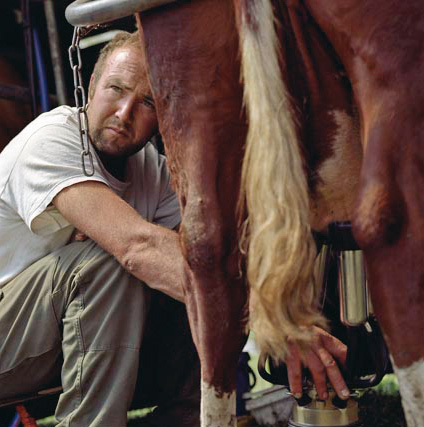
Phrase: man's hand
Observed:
(78, 236)
(320, 360)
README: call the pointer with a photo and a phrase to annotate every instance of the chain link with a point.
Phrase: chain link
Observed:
(80, 102)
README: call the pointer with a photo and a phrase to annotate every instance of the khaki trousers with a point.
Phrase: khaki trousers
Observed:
(77, 312)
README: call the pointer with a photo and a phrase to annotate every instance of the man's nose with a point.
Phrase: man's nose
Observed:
(125, 110)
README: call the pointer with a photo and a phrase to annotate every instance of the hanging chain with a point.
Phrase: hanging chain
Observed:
(80, 102)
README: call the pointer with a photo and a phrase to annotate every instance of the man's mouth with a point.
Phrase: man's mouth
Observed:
(119, 131)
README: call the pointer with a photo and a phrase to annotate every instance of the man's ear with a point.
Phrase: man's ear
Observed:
(91, 88)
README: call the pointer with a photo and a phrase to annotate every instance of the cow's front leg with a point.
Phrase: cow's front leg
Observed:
(192, 52)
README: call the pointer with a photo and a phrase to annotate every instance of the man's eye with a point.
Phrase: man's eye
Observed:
(148, 101)
(116, 88)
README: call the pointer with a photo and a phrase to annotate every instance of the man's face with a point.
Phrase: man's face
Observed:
(121, 113)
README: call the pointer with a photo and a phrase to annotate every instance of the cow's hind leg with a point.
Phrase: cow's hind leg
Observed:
(389, 225)
(381, 47)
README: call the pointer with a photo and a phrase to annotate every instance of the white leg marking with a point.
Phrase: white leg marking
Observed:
(411, 387)
(217, 411)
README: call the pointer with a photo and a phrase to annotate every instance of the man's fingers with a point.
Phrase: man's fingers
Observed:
(78, 236)
(294, 372)
(334, 346)
(319, 374)
(333, 373)
(322, 365)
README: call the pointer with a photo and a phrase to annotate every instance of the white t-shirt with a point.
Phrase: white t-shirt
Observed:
(44, 159)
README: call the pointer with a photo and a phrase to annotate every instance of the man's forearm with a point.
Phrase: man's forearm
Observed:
(149, 252)
(155, 257)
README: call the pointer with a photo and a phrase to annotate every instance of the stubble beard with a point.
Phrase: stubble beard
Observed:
(110, 148)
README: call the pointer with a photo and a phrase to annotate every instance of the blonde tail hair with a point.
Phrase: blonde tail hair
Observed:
(276, 234)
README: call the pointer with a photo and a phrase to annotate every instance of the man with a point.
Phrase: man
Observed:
(73, 299)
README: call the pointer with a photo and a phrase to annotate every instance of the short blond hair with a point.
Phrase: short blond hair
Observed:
(121, 40)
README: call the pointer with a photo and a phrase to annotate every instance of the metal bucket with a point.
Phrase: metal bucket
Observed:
(320, 413)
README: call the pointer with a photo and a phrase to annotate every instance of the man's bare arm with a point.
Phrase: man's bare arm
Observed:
(149, 252)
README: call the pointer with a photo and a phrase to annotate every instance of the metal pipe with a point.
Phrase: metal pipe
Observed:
(20, 94)
(321, 266)
(43, 89)
(352, 288)
(26, 23)
(15, 93)
(55, 54)
(89, 41)
(83, 13)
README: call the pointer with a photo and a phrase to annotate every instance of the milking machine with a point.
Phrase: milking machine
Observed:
(347, 305)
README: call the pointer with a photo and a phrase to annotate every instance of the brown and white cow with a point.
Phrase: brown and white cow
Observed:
(334, 101)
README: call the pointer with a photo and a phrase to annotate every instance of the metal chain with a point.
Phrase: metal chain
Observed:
(80, 102)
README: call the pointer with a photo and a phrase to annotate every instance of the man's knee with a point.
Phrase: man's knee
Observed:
(169, 365)
(93, 290)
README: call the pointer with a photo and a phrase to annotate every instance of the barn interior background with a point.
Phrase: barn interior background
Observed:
(35, 76)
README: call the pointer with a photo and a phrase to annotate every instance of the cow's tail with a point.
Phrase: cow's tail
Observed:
(274, 191)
